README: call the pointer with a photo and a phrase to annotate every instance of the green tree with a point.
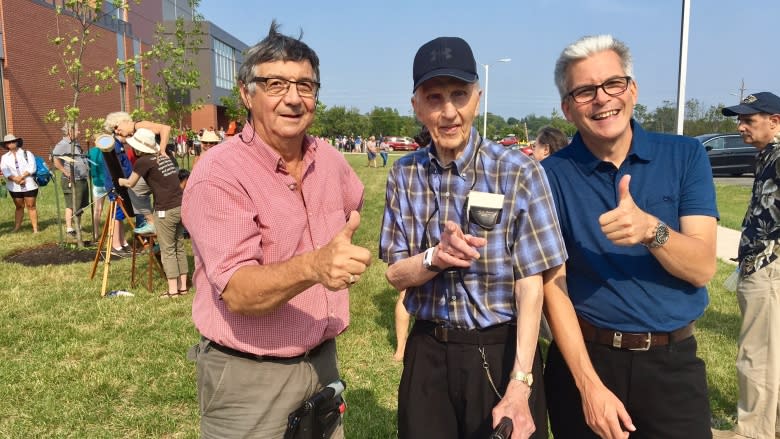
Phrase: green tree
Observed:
(318, 127)
(640, 113)
(234, 108)
(385, 121)
(75, 20)
(172, 57)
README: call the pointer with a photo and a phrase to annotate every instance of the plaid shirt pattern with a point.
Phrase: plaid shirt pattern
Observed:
(422, 195)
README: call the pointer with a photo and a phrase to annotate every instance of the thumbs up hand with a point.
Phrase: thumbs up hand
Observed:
(627, 224)
(339, 264)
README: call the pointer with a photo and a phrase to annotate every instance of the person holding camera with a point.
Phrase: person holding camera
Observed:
(468, 228)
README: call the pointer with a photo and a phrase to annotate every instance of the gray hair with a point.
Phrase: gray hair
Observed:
(585, 47)
(276, 47)
(114, 119)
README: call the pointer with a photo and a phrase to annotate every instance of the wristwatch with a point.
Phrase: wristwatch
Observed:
(526, 378)
(428, 260)
(661, 236)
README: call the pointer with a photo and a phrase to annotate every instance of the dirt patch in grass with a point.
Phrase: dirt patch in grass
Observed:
(50, 254)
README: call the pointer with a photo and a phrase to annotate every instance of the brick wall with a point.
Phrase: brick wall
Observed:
(31, 92)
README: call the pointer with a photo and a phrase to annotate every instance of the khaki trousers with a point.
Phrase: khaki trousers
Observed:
(243, 398)
(758, 358)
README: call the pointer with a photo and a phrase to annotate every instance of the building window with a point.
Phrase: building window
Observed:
(224, 65)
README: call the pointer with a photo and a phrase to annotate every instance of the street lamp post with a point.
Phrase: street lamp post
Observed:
(485, 111)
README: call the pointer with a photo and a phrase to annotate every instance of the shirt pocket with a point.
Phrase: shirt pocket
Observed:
(664, 206)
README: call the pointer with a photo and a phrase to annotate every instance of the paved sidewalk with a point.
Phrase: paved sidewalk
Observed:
(728, 243)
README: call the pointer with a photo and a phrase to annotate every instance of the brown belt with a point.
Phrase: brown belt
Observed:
(631, 340)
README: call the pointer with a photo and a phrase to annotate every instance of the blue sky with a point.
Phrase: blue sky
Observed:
(366, 48)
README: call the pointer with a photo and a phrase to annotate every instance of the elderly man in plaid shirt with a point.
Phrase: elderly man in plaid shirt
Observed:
(469, 227)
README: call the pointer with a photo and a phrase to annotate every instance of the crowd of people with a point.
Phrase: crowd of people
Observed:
(608, 237)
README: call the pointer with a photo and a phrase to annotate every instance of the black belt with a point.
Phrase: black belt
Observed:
(236, 353)
(498, 334)
(634, 341)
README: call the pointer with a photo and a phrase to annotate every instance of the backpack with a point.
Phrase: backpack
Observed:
(42, 174)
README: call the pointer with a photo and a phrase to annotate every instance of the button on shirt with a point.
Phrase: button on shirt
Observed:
(625, 287)
(422, 195)
(242, 208)
(760, 242)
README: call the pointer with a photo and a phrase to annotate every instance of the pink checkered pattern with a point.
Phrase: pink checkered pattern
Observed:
(242, 208)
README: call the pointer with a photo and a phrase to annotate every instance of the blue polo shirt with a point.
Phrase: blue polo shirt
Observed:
(626, 288)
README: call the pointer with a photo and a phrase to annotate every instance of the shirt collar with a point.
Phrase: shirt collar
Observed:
(465, 160)
(271, 156)
(639, 150)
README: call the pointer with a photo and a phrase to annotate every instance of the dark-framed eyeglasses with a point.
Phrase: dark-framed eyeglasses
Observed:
(612, 87)
(280, 86)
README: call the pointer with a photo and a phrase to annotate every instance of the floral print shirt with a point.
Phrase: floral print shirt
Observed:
(760, 241)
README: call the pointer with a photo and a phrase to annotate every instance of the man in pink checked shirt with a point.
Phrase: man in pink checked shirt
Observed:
(271, 212)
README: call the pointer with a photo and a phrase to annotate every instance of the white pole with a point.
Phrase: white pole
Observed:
(686, 13)
(484, 117)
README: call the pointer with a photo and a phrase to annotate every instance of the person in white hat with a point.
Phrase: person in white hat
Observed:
(18, 167)
(207, 140)
(163, 178)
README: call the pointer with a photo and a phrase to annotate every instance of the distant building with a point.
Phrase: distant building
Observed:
(218, 66)
(28, 92)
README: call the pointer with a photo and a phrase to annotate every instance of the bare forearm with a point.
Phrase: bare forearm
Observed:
(565, 329)
(528, 299)
(260, 289)
(408, 272)
(691, 255)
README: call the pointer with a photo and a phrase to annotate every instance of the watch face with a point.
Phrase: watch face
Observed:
(661, 234)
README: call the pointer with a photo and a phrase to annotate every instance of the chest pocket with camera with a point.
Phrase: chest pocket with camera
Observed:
(484, 209)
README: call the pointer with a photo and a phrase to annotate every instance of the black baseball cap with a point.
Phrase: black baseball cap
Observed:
(444, 56)
(764, 102)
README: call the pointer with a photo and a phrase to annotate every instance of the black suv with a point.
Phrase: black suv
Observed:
(729, 154)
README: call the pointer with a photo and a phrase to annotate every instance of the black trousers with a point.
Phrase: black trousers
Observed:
(445, 392)
(664, 391)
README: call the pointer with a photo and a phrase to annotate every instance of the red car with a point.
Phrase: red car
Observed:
(401, 143)
(509, 140)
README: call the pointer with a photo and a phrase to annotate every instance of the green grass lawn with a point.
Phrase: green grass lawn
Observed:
(732, 204)
(76, 365)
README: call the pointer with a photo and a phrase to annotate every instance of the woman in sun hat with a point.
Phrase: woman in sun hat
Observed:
(163, 178)
(208, 139)
(18, 167)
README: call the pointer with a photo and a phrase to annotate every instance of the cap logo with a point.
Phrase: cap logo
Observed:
(749, 100)
(442, 54)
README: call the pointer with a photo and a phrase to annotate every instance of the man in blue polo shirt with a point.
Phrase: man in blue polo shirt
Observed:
(638, 215)
(468, 229)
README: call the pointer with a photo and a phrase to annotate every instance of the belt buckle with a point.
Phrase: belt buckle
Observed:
(440, 333)
(646, 347)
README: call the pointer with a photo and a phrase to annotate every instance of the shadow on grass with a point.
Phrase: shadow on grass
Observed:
(720, 323)
(386, 300)
(724, 409)
(366, 418)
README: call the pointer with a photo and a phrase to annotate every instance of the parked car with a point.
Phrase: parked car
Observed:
(509, 140)
(729, 154)
(401, 143)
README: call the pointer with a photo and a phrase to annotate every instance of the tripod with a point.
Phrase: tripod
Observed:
(107, 236)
